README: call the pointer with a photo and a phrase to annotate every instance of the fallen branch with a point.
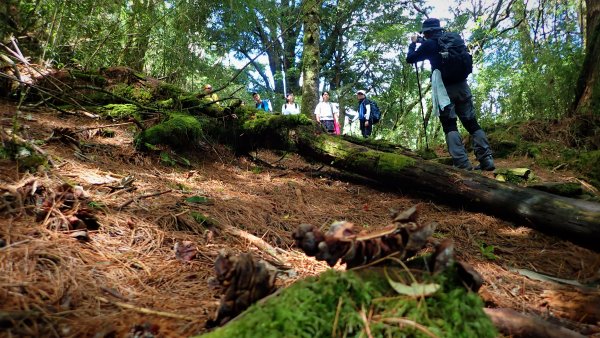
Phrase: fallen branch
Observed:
(105, 126)
(24, 142)
(515, 324)
(14, 67)
(15, 244)
(142, 197)
(146, 310)
(260, 244)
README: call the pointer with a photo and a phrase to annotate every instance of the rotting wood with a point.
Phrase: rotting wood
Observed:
(515, 324)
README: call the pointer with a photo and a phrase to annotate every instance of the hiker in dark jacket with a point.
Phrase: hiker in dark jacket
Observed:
(461, 102)
(364, 113)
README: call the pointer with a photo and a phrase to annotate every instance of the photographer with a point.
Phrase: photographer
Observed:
(451, 93)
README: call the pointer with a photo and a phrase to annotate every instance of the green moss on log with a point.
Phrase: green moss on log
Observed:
(259, 122)
(357, 157)
(90, 77)
(167, 90)
(119, 111)
(138, 94)
(312, 307)
(179, 131)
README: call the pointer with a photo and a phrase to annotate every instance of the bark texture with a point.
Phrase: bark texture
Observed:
(310, 56)
(587, 97)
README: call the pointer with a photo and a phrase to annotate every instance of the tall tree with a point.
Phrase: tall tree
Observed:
(587, 97)
(311, 12)
(141, 17)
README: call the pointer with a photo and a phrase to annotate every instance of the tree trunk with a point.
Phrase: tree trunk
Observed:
(310, 56)
(576, 220)
(587, 96)
(515, 324)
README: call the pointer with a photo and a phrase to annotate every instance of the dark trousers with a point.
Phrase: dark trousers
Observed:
(328, 125)
(366, 131)
(461, 108)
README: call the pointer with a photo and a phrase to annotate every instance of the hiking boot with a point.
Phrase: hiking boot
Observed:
(457, 151)
(486, 163)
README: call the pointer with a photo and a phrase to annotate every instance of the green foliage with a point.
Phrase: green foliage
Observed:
(589, 163)
(120, 111)
(487, 251)
(261, 121)
(166, 159)
(179, 131)
(197, 199)
(134, 93)
(166, 89)
(168, 103)
(203, 219)
(310, 307)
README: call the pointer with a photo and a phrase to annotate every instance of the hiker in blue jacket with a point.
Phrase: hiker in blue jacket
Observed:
(261, 104)
(460, 102)
(364, 114)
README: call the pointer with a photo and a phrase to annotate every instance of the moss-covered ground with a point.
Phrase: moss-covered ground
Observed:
(334, 303)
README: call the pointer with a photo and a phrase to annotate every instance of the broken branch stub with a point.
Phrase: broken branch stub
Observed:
(405, 236)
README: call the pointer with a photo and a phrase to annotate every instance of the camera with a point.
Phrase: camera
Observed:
(420, 39)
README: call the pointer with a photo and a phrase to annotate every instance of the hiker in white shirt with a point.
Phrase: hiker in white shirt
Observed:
(290, 107)
(326, 112)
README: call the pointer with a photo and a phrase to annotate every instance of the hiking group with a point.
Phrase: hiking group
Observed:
(451, 96)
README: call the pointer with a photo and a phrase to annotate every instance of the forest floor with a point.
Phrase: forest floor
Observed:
(124, 277)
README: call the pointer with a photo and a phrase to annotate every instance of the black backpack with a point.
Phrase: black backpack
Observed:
(457, 63)
(375, 112)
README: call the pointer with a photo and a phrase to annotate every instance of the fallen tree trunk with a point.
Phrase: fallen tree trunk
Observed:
(573, 219)
(515, 324)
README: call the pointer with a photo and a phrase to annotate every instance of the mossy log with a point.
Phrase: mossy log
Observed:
(568, 189)
(350, 303)
(576, 220)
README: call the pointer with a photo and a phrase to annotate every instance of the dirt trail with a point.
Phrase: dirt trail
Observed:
(102, 286)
